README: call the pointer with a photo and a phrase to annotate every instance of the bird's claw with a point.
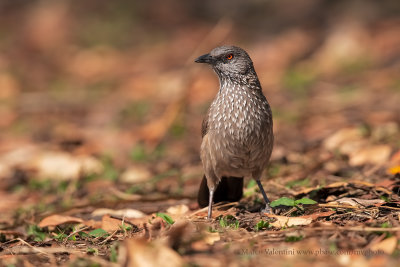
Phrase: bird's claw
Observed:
(267, 209)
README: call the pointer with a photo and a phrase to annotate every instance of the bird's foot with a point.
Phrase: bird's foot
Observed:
(267, 209)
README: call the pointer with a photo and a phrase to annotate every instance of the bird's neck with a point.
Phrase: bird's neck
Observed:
(248, 80)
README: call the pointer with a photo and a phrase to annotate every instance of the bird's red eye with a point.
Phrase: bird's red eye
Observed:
(229, 56)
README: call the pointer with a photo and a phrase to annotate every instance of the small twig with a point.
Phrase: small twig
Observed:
(77, 231)
(354, 207)
(32, 247)
(337, 206)
(389, 208)
(125, 196)
(337, 229)
(108, 238)
(218, 205)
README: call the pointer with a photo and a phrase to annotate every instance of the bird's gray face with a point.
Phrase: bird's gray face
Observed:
(228, 60)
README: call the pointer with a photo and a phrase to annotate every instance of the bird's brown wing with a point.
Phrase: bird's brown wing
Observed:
(204, 126)
(229, 188)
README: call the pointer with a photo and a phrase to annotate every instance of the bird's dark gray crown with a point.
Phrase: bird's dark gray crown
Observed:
(233, 63)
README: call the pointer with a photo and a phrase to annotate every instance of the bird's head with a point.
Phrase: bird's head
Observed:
(229, 61)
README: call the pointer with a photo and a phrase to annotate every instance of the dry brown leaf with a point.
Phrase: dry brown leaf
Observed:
(178, 209)
(92, 224)
(211, 238)
(64, 166)
(357, 202)
(110, 224)
(317, 215)
(342, 136)
(54, 220)
(370, 155)
(387, 245)
(137, 252)
(135, 174)
(127, 213)
(283, 221)
(332, 185)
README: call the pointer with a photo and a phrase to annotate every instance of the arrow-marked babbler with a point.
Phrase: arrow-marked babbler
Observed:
(237, 130)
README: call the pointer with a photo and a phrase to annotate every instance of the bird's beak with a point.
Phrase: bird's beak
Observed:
(207, 58)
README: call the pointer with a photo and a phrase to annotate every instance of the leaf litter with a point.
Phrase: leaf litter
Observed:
(99, 182)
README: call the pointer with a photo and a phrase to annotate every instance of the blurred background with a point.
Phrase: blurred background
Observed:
(108, 90)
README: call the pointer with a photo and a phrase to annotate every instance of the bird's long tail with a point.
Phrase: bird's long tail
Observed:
(229, 189)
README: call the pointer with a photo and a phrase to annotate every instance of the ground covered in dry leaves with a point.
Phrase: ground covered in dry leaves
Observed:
(99, 142)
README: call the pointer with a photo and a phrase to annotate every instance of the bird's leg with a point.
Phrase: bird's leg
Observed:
(267, 206)
(210, 201)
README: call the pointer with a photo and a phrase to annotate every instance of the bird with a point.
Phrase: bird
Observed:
(237, 131)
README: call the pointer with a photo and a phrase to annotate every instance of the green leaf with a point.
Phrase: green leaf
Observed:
(305, 201)
(114, 253)
(165, 217)
(60, 237)
(36, 232)
(98, 233)
(284, 201)
(212, 230)
(94, 251)
(72, 237)
(261, 225)
(83, 234)
(229, 221)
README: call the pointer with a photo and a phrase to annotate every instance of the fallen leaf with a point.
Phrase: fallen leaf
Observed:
(178, 209)
(283, 221)
(211, 238)
(138, 252)
(370, 155)
(340, 137)
(317, 215)
(110, 224)
(128, 213)
(64, 166)
(387, 183)
(357, 202)
(387, 245)
(135, 175)
(54, 220)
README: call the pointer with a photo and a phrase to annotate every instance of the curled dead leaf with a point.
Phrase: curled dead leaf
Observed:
(54, 220)
(283, 221)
